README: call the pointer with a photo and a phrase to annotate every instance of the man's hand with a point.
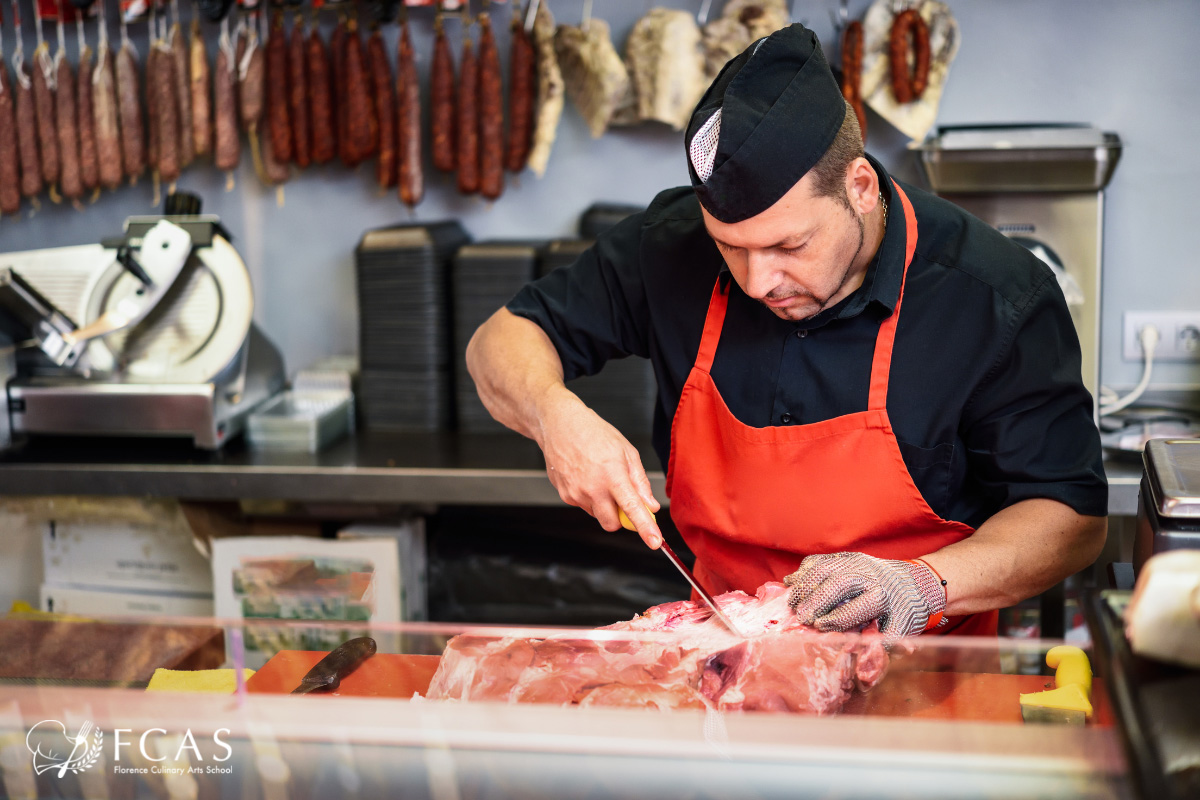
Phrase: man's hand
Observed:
(594, 467)
(845, 591)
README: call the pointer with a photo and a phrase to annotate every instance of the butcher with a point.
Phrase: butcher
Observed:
(862, 389)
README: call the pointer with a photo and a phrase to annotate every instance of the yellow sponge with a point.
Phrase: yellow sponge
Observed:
(212, 681)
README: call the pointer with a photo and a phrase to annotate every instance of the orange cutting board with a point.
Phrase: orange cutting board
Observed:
(984, 697)
(381, 675)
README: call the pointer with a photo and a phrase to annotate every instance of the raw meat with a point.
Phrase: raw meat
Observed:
(694, 662)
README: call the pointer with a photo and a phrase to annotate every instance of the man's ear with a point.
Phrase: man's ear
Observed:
(862, 186)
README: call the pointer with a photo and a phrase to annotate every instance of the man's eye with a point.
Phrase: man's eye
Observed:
(796, 249)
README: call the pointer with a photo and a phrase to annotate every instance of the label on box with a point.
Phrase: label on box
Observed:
(124, 556)
(96, 602)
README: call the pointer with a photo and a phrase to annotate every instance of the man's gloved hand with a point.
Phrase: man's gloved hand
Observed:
(845, 591)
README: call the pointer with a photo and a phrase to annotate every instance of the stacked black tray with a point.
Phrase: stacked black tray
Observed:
(485, 276)
(560, 253)
(404, 325)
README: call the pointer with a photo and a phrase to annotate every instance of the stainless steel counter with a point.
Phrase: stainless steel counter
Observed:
(370, 467)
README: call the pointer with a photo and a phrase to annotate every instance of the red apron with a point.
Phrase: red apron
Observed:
(753, 502)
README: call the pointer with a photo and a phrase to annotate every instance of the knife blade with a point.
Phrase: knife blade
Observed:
(700, 590)
(327, 675)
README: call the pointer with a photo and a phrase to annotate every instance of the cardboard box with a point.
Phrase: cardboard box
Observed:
(96, 602)
(410, 543)
(124, 556)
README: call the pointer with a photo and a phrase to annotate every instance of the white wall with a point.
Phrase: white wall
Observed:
(1118, 65)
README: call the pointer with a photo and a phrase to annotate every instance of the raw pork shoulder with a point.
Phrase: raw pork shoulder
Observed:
(780, 666)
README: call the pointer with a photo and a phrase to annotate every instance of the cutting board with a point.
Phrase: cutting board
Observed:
(983, 697)
(381, 675)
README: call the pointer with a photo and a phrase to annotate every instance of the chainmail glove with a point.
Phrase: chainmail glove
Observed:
(845, 591)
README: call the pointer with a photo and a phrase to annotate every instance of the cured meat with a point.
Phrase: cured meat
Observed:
(466, 155)
(133, 135)
(741, 23)
(362, 126)
(549, 92)
(441, 101)
(166, 109)
(408, 107)
(522, 86)
(200, 90)
(27, 142)
(695, 663)
(250, 80)
(666, 64)
(89, 168)
(66, 113)
(182, 93)
(385, 106)
(595, 75)
(337, 47)
(43, 103)
(322, 109)
(908, 26)
(298, 95)
(279, 115)
(153, 120)
(10, 161)
(228, 146)
(491, 113)
(105, 112)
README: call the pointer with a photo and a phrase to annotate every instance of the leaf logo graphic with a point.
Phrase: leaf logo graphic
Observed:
(54, 749)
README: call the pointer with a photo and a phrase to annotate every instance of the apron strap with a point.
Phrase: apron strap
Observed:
(713, 323)
(881, 365)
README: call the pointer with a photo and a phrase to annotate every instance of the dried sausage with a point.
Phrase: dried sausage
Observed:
(441, 102)
(385, 106)
(852, 55)
(133, 135)
(43, 99)
(909, 32)
(10, 162)
(362, 126)
(166, 109)
(152, 119)
(71, 184)
(202, 129)
(279, 115)
(412, 179)
(228, 150)
(321, 100)
(467, 151)
(250, 80)
(104, 111)
(89, 167)
(522, 85)
(491, 113)
(298, 89)
(337, 45)
(27, 141)
(182, 93)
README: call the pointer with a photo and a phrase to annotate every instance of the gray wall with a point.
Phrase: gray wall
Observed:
(1117, 65)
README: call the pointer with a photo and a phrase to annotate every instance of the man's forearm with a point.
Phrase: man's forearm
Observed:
(1021, 551)
(516, 371)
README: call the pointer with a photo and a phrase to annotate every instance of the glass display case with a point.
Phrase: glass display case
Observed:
(441, 712)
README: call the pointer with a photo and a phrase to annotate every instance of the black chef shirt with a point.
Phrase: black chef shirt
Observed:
(985, 396)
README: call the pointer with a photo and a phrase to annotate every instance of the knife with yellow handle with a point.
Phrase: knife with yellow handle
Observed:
(1069, 702)
(627, 523)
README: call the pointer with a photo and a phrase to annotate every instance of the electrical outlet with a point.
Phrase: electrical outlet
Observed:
(1178, 335)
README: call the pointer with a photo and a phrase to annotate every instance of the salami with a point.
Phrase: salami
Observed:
(166, 110)
(852, 55)
(298, 95)
(323, 115)
(441, 102)
(550, 92)
(491, 113)
(522, 87)
(43, 104)
(89, 167)
(129, 104)
(337, 45)
(227, 151)
(105, 113)
(27, 140)
(466, 154)
(279, 115)
(10, 161)
(182, 93)
(200, 92)
(909, 34)
(408, 107)
(250, 80)
(67, 125)
(362, 126)
(385, 107)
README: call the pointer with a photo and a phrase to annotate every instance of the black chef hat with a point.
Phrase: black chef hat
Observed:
(766, 120)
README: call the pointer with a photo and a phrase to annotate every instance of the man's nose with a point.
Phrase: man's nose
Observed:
(761, 275)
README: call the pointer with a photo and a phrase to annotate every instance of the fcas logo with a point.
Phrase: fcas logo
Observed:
(55, 749)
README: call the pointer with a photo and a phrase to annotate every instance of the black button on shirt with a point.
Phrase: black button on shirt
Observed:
(985, 396)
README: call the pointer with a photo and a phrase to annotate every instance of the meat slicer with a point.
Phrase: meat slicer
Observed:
(148, 334)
